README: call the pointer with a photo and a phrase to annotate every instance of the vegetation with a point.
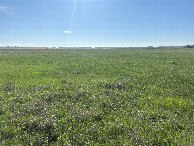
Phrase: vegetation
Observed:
(97, 97)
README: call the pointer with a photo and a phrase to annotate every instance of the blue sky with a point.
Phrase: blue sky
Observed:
(96, 22)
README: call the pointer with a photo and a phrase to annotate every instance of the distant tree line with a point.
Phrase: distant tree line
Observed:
(189, 46)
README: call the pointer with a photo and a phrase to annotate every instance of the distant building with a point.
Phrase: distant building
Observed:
(150, 47)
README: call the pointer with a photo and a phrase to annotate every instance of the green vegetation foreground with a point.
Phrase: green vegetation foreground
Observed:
(97, 97)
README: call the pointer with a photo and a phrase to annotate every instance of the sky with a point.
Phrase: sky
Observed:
(96, 23)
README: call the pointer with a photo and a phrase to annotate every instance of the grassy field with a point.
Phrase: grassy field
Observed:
(97, 97)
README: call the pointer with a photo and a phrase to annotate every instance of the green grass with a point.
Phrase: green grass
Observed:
(97, 97)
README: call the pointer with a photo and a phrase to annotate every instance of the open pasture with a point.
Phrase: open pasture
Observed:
(97, 97)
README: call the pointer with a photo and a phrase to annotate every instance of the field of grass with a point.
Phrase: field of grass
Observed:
(97, 97)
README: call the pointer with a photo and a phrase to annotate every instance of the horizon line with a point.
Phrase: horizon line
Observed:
(15, 46)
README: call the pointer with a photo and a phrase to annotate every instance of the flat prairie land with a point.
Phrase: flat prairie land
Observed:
(97, 97)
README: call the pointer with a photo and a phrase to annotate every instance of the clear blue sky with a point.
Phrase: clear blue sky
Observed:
(96, 22)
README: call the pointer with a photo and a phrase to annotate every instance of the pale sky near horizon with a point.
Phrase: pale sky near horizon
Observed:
(80, 23)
